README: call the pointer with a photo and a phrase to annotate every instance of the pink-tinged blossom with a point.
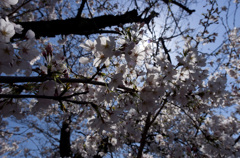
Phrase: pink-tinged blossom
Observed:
(27, 50)
(6, 52)
(6, 30)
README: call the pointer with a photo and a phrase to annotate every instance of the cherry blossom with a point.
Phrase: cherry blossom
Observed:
(30, 34)
(6, 52)
(6, 30)
(27, 50)
(84, 60)
(147, 86)
(104, 50)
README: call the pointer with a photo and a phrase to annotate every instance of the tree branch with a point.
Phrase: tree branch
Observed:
(146, 128)
(65, 145)
(81, 9)
(238, 138)
(20, 79)
(62, 98)
(165, 49)
(78, 26)
(144, 136)
(189, 11)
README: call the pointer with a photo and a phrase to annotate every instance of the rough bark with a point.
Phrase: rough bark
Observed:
(65, 146)
(79, 26)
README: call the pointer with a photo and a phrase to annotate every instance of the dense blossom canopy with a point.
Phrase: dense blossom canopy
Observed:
(101, 78)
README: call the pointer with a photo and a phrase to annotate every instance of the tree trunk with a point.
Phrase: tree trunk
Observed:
(65, 146)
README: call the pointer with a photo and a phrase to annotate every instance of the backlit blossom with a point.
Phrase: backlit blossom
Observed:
(88, 45)
(83, 60)
(6, 30)
(104, 50)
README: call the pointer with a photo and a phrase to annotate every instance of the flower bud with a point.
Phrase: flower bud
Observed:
(44, 54)
(49, 49)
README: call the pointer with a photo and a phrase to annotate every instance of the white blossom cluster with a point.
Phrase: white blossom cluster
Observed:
(19, 56)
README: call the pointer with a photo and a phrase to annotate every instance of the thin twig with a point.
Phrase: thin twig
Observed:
(81, 9)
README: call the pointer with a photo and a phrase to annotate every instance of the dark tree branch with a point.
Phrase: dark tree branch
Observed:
(144, 136)
(189, 11)
(238, 138)
(13, 79)
(136, 5)
(165, 49)
(148, 124)
(106, 31)
(91, 15)
(78, 26)
(81, 9)
(159, 111)
(59, 98)
(98, 72)
(65, 145)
